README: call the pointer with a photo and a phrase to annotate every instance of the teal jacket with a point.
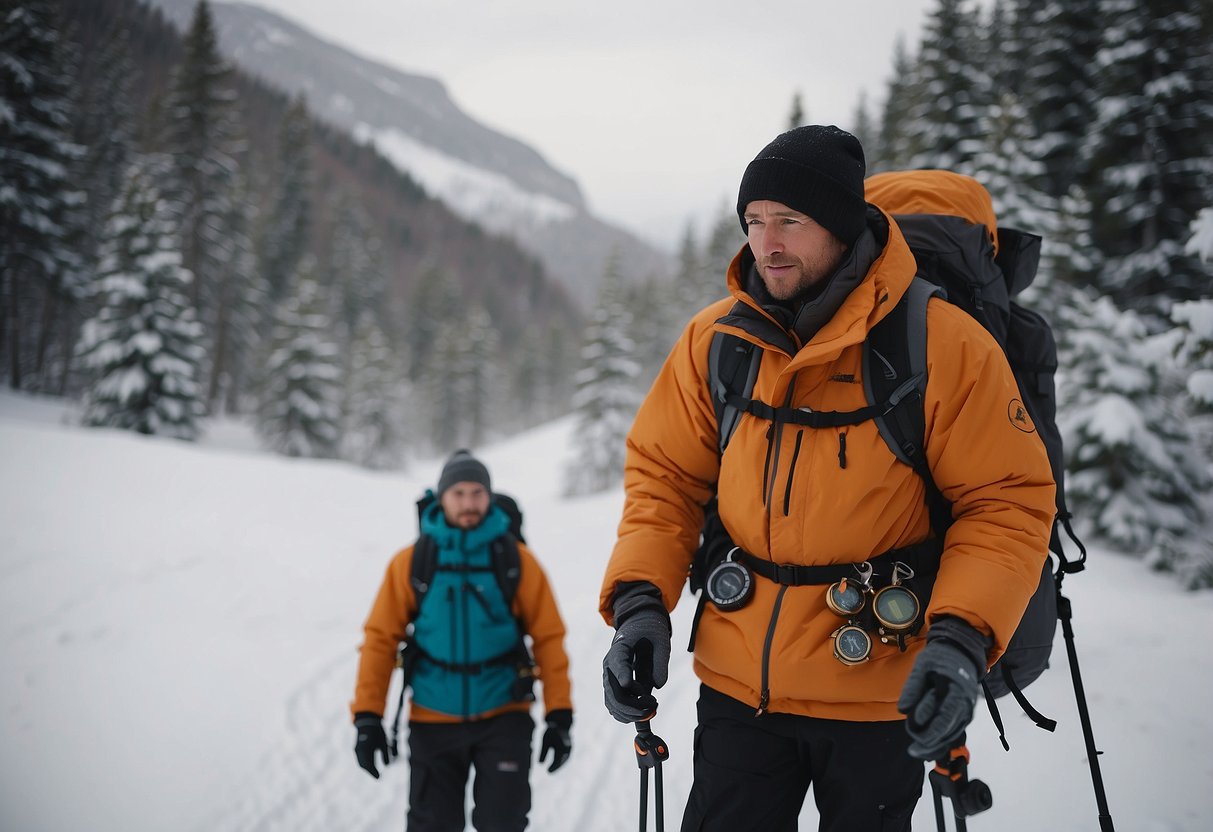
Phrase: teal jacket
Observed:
(464, 629)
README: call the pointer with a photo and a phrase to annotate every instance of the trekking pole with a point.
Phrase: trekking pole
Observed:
(1064, 612)
(950, 778)
(650, 751)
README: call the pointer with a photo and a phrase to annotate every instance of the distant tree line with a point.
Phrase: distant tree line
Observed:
(1091, 123)
(167, 254)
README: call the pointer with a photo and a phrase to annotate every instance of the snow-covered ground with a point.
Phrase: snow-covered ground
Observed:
(179, 624)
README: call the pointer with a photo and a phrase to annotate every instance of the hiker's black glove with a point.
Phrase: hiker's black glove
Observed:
(371, 738)
(942, 689)
(639, 658)
(556, 738)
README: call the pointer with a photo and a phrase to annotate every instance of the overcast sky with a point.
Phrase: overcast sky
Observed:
(653, 106)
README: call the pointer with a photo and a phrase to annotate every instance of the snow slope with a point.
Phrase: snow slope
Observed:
(179, 624)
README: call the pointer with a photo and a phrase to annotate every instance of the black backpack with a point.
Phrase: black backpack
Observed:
(956, 262)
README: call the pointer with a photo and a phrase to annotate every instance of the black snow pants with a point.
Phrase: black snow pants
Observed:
(752, 773)
(440, 756)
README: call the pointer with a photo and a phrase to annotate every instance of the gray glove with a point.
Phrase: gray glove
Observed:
(942, 688)
(639, 657)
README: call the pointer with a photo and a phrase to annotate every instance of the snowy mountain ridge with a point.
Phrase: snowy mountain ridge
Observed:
(486, 177)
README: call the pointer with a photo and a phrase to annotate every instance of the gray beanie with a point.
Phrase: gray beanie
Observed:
(816, 170)
(463, 467)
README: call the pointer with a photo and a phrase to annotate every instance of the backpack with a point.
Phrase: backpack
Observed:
(956, 261)
(507, 569)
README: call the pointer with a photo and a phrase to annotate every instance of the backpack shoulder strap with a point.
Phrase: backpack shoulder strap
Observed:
(895, 352)
(732, 368)
(425, 562)
(507, 566)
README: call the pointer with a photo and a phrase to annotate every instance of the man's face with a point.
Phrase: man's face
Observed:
(465, 504)
(791, 251)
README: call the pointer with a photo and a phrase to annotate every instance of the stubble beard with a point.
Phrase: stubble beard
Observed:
(806, 275)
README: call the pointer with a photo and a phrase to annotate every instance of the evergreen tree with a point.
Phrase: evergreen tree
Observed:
(201, 137)
(896, 142)
(1054, 77)
(654, 326)
(1008, 170)
(104, 129)
(239, 314)
(1150, 151)
(866, 132)
(143, 345)
(38, 199)
(1134, 471)
(796, 115)
(942, 127)
(299, 412)
(289, 220)
(375, 425)
(355, 264)
(724, 239)
(434, 306)
(606, 397)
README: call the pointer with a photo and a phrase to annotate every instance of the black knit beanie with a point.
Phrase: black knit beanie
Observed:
(816, 170)
(463, 467)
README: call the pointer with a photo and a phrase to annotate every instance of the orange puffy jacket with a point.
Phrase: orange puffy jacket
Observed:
(534, 606)
(787, 498)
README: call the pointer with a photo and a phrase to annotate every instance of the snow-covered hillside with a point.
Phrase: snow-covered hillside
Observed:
(179, 624)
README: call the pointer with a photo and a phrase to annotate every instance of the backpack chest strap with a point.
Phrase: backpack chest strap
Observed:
(823, 418)
(922, 557)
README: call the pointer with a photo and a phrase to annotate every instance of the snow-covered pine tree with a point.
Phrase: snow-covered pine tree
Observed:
(724, 238)
(142, 347)
(865, 130)
(240, 310)
(898, 144)
(1135, 473)
(462, 380)
(1006, 166)
(38, 199)
(354, 263)
(1055, 57)
(376, 423)
(944, 124)
(606, 397)
(1149, 151)
(104, 129)
(299, 411)
(201, 136)
(288, 222)
(435, 305)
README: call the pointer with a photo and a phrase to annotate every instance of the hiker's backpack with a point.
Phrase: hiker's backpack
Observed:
(956, 261)
(506, 566)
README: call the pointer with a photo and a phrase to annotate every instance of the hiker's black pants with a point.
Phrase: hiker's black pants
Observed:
(752, 773)
(440, 756)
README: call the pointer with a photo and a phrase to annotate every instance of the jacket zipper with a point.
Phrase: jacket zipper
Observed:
(764, 698)
(787, 494)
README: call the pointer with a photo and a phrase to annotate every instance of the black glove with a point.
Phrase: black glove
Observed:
(942, 688)
(556, 738)
(639, 657)
(371, 738)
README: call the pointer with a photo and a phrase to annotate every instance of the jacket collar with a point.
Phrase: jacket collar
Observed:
(434, 524)
(871, 279)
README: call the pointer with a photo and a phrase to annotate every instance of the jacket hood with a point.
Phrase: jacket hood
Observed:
(933, 192)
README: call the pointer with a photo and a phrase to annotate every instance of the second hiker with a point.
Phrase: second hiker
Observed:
(464, 616)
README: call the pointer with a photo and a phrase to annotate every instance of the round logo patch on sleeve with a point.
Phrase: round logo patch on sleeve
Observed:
(1018, 414)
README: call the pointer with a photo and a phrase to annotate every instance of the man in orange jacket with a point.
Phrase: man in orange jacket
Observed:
(784, 703)
(469, 672)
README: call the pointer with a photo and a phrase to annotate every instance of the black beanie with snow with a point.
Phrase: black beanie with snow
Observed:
(816, 170)
(463, 467)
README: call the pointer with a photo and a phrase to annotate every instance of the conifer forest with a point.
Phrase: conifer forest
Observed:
(180, 242)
